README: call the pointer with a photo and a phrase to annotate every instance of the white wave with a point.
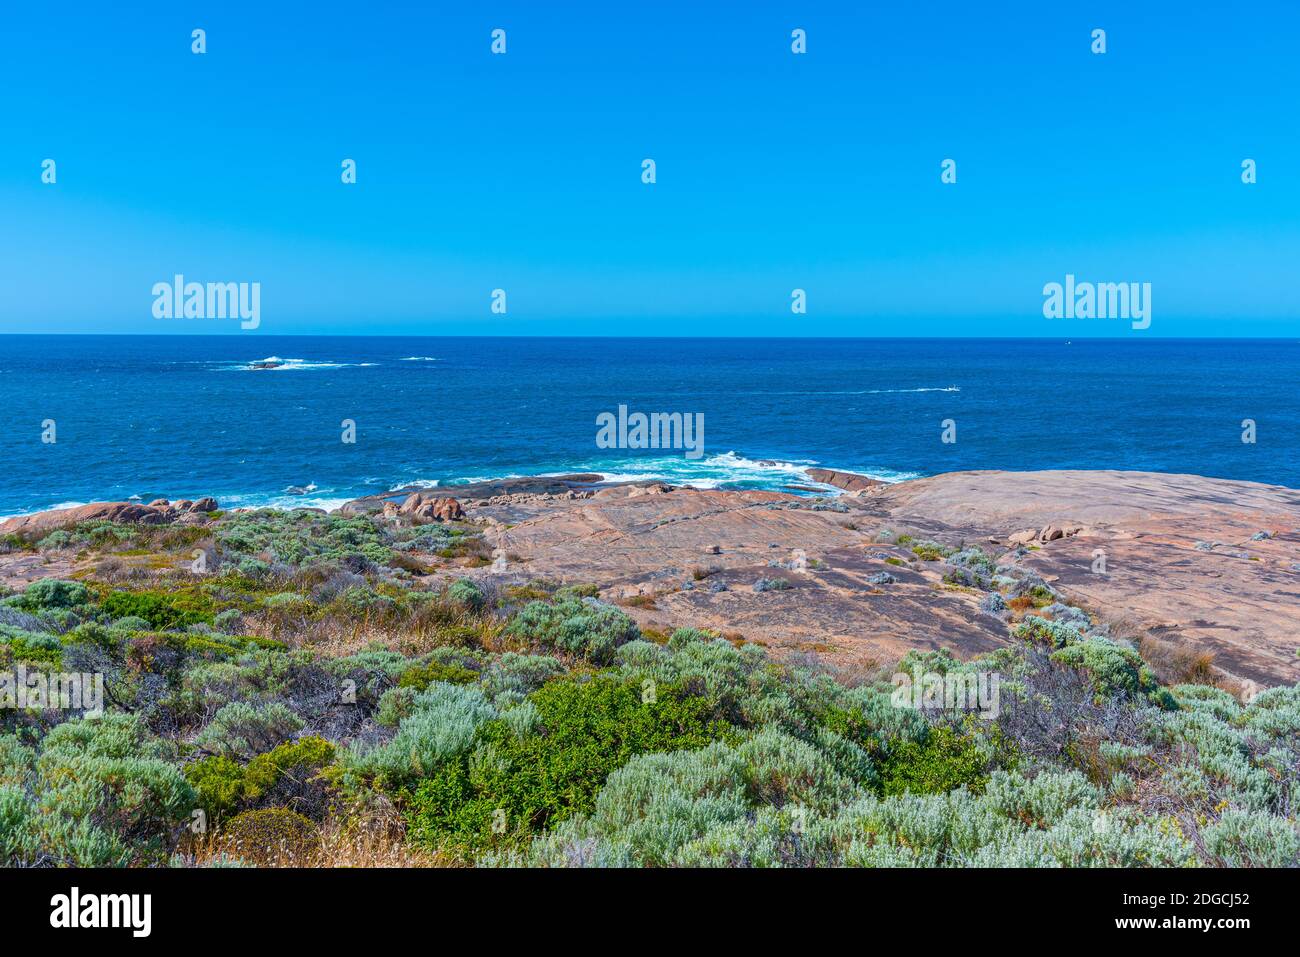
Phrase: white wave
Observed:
(420, 359)
(717, 471)
(948, 388)
(61, 506)
(414, 483)
(290, 365)
(473, 479)
(283, 502)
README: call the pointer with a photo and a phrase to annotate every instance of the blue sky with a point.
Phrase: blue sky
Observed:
(775, 171)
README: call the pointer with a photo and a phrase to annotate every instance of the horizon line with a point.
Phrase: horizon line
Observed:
(500, 335)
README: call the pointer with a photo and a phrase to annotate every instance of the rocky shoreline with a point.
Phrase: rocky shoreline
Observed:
(1188, 562)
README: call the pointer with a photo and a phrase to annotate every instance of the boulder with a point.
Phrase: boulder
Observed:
(431, 507)
(655, 489)
(126, 513)
(205, 505)
(848, 481)
(1055, 530)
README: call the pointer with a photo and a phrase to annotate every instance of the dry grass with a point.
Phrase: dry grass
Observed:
(1180, 663)
(861, 671)
(374, 842)
(1020, 604)
(337, 638)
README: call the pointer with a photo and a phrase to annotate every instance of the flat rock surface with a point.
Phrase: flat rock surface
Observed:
(1170, 556)
(1236, 597)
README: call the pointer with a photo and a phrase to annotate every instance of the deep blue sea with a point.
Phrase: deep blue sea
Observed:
(183, 416)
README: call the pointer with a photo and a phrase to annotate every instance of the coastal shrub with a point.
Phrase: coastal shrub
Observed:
(60, 538)
(1075, 618)
(672, 747)
(420, 677)
(289, 775)
(37, 647)
(975, 559)
(431, 538)
(1253, 839)
(1112, 668)
(578, 590)
(582, 731)
(1030, 587)
(228, 621)
(50, 593)
(1054, 633)
(21, 620)
(301, 537)
(781, 769)
(288, 603)
(941, 761)
(240, 730)
(443, 722)
(929, 551)
(648, 810)
(521, 717)
(585, 627)
(219, 783)
(131, 623)
(993, 604)
(106, 794)
(465, 592)
(162, 610)
(394, 705)
(519, 673)
(268, 835)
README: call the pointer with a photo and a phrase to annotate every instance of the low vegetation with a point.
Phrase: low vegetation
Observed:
(311, 698)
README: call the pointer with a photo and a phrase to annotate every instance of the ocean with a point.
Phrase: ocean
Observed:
(182, 416)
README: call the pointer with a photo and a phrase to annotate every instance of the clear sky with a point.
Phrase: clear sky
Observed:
(775, 171)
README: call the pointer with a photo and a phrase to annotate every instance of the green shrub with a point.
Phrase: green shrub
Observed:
(580, 626)
(1253, 839)
(240, 730)
(51, 593)
(57, 539)
(521, 673)
(464, 591)
(582, 590)
(931, 551)
(420, 677)
(442, 724)
(219, 783)
(270, 835)
(36, 647)
(106, 794)
(940, 762)
(1113, 669)
(162, 610)
(1053, 633)
(581, 733)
